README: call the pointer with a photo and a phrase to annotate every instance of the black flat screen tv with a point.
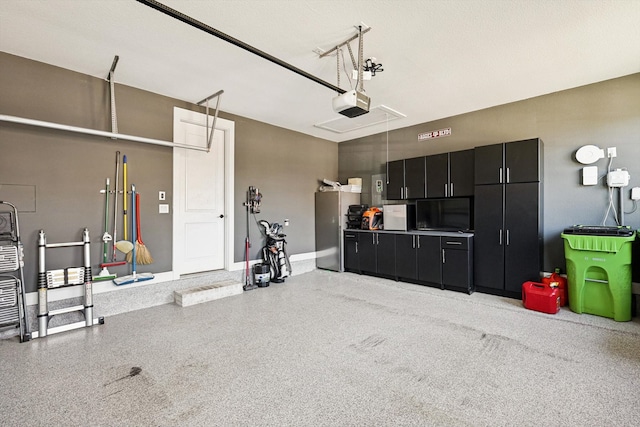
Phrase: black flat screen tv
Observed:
(444, 214)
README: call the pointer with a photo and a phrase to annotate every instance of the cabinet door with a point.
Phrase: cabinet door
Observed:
(386, 253)
(351, 251)
(456, 269)
(522, 235)
(429, 259)
(488, 237)
(438, 175)
(414, 178)
(522, 161)
(367, 252)
(489, 167)
(395, 180)
(406, 256)
(461, 175)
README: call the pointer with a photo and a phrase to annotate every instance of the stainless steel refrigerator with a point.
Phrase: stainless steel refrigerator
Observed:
(331, 219)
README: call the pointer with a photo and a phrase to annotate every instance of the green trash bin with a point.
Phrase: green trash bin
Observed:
(599, 270)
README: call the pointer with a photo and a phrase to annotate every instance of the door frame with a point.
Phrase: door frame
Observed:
(228, 127)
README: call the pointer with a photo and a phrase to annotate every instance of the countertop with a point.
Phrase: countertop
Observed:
(419, 232)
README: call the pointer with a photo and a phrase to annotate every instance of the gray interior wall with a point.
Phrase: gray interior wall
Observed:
(605, 114)
(287, 168)
(67, 171)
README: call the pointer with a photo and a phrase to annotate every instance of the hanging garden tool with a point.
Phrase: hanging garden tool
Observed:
(124, 246)
(142, 254)
(106, 238)
(115, 213)
(133, 277)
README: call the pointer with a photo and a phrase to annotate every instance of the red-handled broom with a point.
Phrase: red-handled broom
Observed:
(143, 256)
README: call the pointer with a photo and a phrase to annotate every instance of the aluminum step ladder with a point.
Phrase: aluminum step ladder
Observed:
(72, 276)
(13, 309)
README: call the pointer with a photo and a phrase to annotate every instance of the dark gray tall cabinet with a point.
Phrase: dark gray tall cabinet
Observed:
(508, 216)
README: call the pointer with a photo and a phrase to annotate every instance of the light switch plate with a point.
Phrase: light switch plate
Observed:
(163, 208)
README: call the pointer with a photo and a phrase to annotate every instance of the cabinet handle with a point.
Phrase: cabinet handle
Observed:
(451, 192)
(445, 190)
(500, 237)
(508, 179)
(356, 247)
(414, 241)
(377, 239)
(507, 237)
(373, 238)
(453, 243)
(500, 176)
(443, 259)
(418, 242)
(406, 192)
(402, 192)
(349, 235)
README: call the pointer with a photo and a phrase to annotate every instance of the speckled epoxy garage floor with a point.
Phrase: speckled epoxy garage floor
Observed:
(330, 349)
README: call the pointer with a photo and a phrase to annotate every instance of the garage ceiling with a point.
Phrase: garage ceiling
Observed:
(440, 58)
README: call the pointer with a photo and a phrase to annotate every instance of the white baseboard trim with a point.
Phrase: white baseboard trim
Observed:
(98, 288)
(293, 258)
(109, 286)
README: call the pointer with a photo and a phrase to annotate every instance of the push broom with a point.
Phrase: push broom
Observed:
(106, 238)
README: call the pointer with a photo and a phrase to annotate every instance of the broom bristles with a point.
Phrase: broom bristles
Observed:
(143, 256)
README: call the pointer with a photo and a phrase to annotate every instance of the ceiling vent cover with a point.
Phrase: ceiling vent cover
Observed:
(377, 115)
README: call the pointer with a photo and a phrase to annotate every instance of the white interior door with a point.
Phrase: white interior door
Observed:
(200, 214)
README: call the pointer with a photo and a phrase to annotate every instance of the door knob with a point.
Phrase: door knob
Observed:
(221, 216)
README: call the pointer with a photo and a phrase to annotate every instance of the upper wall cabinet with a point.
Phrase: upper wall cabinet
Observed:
(406, 179)
(414, 178)
(450, 174)
(507, 163)
(395, 180)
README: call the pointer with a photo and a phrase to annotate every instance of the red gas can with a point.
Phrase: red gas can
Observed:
(556, 280)
(540, 297)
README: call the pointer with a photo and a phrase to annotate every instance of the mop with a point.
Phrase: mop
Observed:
(133, 277)
(106, 238)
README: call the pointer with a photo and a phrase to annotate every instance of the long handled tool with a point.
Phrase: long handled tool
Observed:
(142, 254)
(124, 246)
(115, 212)
(106, 238)
(133, 277)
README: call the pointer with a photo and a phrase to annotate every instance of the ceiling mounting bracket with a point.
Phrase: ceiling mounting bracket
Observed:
(365, 29)
(205, 101)
(112, 95)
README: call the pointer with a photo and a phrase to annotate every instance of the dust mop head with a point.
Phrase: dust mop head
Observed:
(143, 256)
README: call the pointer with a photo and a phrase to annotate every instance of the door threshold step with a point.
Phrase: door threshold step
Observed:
(200, 294)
